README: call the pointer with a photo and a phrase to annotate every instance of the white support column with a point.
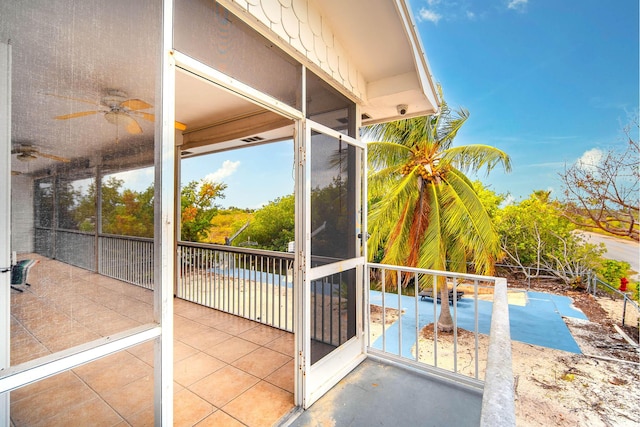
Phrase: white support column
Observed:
(164, 227)
(364, 231)
(5, 219)
(299, 264)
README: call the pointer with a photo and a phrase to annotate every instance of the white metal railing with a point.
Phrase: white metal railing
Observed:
(414, 338)
(630, 308)
(129, 259)
(251, 283)
(76, 248)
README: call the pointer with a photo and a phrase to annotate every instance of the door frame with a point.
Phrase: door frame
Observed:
(5, 218)
(315, 380)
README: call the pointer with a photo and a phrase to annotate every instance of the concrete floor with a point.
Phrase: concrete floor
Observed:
(380, 394)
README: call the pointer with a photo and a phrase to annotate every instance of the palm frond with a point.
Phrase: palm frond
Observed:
(476, 156)
(432, 249)
(386, 154)
(384, 214)
(469, 224)
(397, 251)
(449, 127)
(399, 131)
(380, 181)
(457, 255)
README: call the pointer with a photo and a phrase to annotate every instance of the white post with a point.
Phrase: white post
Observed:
(5, 220)
(498, 398)
(164, 227)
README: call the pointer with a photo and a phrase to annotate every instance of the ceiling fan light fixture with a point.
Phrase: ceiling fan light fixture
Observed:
(119, 118)
(116, 118)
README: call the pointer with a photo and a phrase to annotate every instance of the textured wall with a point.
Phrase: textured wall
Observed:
(300, 24)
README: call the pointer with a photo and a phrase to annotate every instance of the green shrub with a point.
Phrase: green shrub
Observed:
(612, 271)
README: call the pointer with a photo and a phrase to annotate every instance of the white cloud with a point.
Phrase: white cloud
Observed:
(227, 169)
(429, 15)
(509, 200)
(137, 179)
(517, 4)
(544, 165)
(590, 159)
(437, 10)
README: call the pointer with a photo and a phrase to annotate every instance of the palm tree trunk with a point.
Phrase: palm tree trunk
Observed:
(445, 321)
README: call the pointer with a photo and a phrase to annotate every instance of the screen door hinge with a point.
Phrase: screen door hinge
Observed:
(301, 365)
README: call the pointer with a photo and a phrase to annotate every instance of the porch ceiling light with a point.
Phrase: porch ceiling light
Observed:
(119, 118)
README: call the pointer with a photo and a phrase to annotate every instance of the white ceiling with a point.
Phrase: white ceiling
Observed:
(66, 56)
(372, 23)
(379, 36)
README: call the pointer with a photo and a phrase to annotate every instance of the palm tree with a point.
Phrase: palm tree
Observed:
(427, 213)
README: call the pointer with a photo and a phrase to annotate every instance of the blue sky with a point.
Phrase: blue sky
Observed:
(253, 176)
(546, 81)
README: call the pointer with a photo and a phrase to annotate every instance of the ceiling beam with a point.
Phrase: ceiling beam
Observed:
(237, 128)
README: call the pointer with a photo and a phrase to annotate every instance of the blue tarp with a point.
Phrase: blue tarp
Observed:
(539, 322)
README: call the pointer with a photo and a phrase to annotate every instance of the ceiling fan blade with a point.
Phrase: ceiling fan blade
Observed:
(52, 157)
(74, 115)
(133, 127)
(151, 117)
(136, 104)
(147, 116)
(86, 101)
(26, 156)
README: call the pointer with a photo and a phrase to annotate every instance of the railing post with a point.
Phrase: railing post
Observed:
(498, 399)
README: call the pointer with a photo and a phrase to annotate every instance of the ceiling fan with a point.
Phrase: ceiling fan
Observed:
(27, 153)
(118, 109)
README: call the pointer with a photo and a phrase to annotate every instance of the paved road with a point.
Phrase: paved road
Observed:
(618, 249)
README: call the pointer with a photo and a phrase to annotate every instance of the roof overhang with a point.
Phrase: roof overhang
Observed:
(382, 40)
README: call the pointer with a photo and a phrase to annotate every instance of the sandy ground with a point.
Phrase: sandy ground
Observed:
(615, 310)
(600, 387)
(565, 389)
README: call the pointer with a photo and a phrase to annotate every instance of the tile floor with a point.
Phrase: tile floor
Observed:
(228, 371)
